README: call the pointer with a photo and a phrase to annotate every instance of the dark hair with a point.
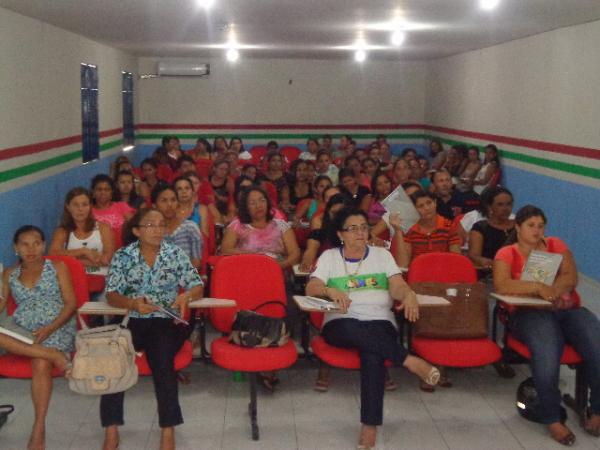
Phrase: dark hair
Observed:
(320, 178)
(249, 166)
(315, 140)
(327, 223)
(204, 142)
(27, 229)
(343, 215)
(168, 138)
(421, 194)
(67, 221)
(238, 186)
(473, 147)
(134, 222)
(273, 154)
(376, 177)
(243, 211)
(347, 136)
(496, 159)
(133, 195)
(435, 172)
(160, 188)
(487, 198)
(149, 161)
(350, 158)
(408, 150)
(326, 136)
(294, 168)
(438, 142)
(321, 153)
(183, 158)
(103, 178)
(237, 138)
(218, 138)
(185, 177)
(398, 161)
(346, 173)
(523, 214)
(409, 184)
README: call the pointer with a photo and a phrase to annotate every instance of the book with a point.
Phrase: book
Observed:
(399, 203)
(22, 336)
(431, 300)
(101, 308)
(309, 303)
(522, 301)
(210, 302)
(541, 267)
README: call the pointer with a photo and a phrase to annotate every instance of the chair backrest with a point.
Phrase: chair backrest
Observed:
(496, 178)
(442, 267)
(78, 279)
(291, 153)
(250, 280)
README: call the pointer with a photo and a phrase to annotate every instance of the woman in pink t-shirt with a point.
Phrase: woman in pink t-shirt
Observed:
(105, 210)
(545, 331)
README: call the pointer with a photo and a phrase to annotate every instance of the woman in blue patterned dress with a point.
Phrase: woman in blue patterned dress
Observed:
(148, 272)
(46, 303)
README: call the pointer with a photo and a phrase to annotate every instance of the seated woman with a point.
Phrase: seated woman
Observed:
(309, 207)
(126, 191)
(471, 168)
(222, 187)
(149, 178)
(298, 188)
(46, 304)
(491, 166)
(545, 331)
(148, 272)
(370, 167)
(105, 210)
(351, 189)
(189, 208)
(488, 236)
(178, 231)
(381, 187)
(81, 236)
(364, 282)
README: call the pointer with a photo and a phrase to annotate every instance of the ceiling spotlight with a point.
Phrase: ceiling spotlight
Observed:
(232, 55)
(360, 55)
(206, 4)
(398, 38)
(488, 5)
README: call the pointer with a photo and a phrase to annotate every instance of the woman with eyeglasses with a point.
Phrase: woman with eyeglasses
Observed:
(146, 274)
(364, 282)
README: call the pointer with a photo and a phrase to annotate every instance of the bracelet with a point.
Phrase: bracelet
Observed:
(324, 293)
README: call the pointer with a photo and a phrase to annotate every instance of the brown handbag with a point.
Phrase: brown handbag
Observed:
(465, 318)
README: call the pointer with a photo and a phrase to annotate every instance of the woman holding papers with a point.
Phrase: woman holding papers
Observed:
(144, 277)
(363, 282)
(545, 331)
(46, 303)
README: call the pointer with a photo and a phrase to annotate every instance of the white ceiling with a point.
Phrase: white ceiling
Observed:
(305, 28)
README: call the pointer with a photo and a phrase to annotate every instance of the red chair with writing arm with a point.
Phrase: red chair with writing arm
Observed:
(16, 366)
(250, 280)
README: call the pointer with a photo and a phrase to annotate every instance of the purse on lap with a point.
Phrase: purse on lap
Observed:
(104, 361)
(465, 318)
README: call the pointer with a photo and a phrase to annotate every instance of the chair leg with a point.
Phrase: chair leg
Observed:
(305, 334)
(579, 403)
(253, 376)
(204, 354)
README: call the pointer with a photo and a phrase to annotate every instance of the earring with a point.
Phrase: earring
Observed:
(342, 241)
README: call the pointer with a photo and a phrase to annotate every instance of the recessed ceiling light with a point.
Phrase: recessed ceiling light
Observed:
(206, 4)
(232, 55)
(488, 5)
(398, 38)
(360, 55)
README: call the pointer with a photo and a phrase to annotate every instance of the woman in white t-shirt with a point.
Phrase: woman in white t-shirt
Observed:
(364, 282)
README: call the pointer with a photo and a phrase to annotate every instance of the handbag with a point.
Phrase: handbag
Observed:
(251, 329)
(104, 361)
(465, 318)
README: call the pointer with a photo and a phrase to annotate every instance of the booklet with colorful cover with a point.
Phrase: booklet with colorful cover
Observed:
(399, 203)
(541, 267)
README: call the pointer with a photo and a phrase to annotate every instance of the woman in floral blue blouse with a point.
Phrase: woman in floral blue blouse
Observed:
(145, 274)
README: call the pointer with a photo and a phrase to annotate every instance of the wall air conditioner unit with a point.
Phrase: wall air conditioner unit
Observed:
(182, 69)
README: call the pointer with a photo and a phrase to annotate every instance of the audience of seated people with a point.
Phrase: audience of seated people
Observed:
(260, 201)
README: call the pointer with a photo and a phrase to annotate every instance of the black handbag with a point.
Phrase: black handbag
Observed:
(251, 329)
(5, 410)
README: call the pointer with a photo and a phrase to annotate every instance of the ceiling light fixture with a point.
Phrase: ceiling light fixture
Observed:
(232, 55)
(398, 38)
(206, 4)
(360, 55)
(488, 5)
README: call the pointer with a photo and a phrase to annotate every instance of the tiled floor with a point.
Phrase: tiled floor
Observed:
(477, 413)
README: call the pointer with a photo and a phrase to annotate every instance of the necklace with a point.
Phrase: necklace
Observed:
(353, 274)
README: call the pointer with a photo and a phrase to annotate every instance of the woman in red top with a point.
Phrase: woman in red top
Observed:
(545, 331)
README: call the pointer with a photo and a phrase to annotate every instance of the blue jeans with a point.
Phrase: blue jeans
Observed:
(376, 341)
(545, 333)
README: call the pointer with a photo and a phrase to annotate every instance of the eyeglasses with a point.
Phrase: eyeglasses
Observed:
(357, 229)
(151, 225)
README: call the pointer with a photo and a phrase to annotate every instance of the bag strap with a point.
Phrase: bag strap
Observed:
(270, 302)
(7, 408)
(122, 326)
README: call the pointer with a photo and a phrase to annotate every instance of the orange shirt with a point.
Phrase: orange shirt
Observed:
(439, 240)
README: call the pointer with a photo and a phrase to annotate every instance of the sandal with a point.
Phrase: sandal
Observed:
(322, 385)
(184, 377)
(390, 385)
(567, 440)
(594, 431)
(267, 382)
(444, 382)
(428, 383)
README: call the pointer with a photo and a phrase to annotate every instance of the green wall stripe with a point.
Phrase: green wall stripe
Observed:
(29, 169)
(267, 136)
(575, 169)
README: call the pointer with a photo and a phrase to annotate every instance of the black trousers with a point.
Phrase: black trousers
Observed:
(376, 341)
(161, 339)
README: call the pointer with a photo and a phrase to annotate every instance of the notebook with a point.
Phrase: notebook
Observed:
(541, 267)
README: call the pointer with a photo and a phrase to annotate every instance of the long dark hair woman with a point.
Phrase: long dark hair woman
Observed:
(545, 331)
(146, 274)
(363, 281)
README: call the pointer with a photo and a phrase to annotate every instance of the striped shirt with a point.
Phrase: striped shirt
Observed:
(187, 237)
(438, 240)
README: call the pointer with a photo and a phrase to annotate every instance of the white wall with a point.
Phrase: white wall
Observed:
(544, 87)
(39, 81)
(258, 92)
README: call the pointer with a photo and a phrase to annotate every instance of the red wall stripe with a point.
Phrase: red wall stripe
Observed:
(187, 126)
(38, 147)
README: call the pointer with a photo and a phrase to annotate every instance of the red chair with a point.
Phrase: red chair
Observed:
(444, 267)
(16, 366)
(250, 280)
(291, 153)
(496, 178)
(258, 153)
